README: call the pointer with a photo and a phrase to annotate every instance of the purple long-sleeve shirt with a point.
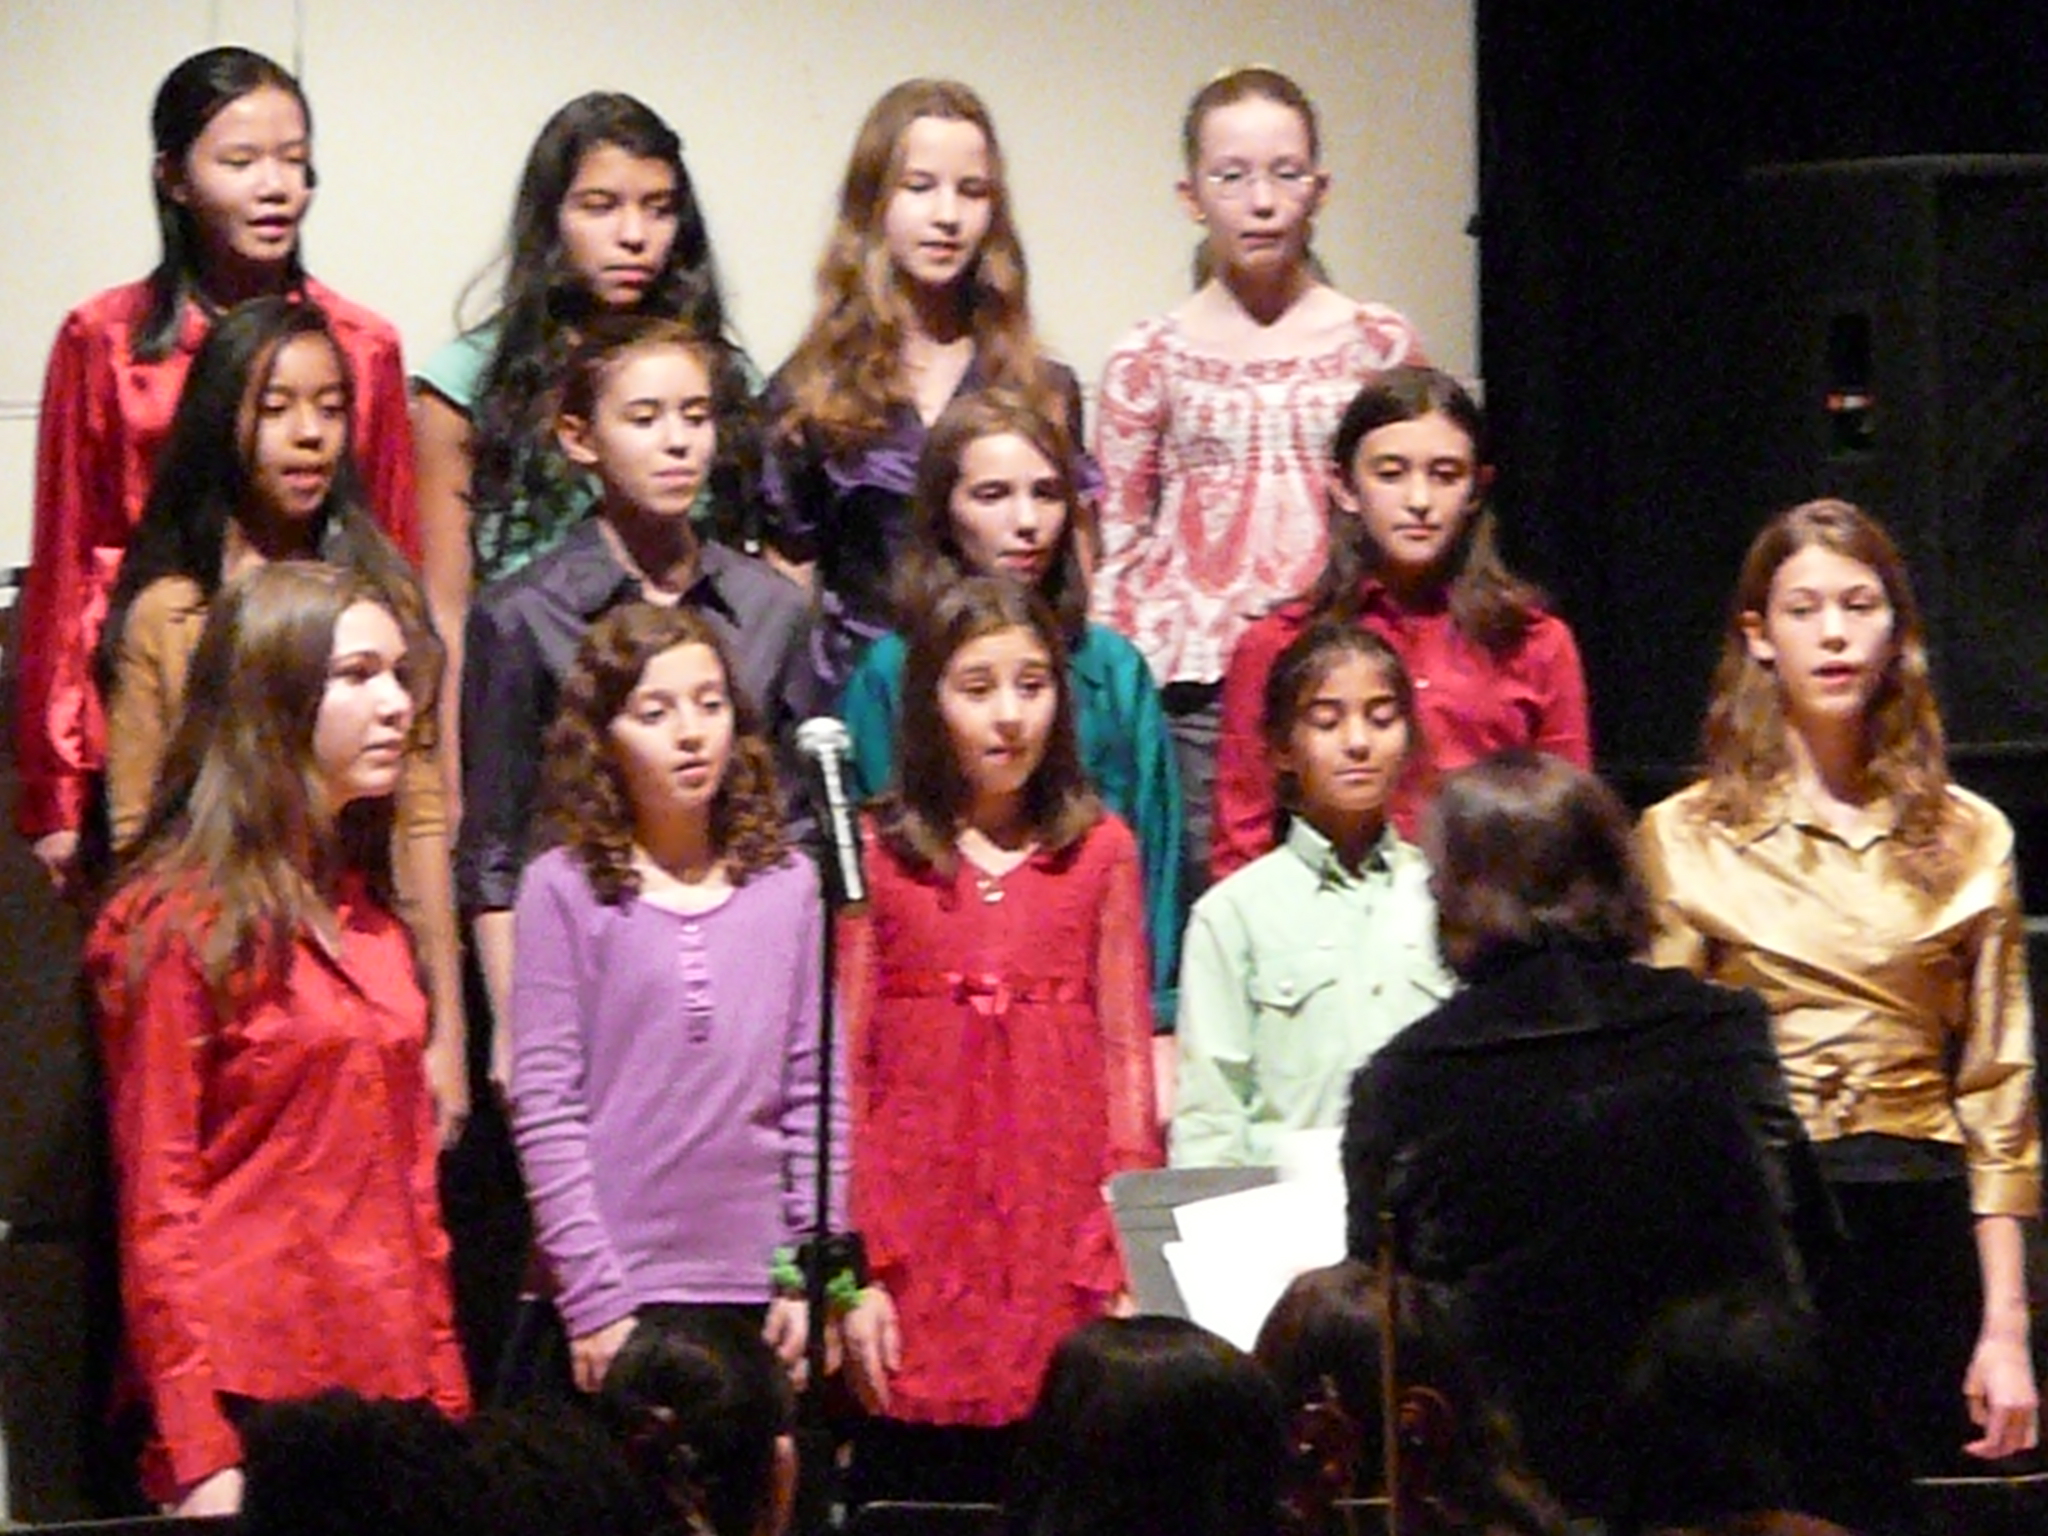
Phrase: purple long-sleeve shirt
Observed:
(665, 1076)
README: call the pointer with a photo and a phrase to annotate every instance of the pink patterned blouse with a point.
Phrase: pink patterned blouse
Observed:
(1213, 510)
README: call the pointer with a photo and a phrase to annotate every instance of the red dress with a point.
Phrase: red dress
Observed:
(104, 418)
(1469, 704)
(1000, 1066)
(279, 1216)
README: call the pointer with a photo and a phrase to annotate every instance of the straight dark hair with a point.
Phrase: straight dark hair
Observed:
(921, 818)
(1490, 605)
(203, 479)
(1529, 850)
(1300, 669)
(191, 96)
(544, 303)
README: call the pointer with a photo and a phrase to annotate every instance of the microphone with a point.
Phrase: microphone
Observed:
(825, 741)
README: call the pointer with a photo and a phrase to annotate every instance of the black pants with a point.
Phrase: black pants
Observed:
(930, 1463)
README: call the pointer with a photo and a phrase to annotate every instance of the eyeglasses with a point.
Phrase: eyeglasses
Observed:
(1234, 182)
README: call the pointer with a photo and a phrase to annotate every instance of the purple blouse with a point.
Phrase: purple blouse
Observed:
(665, 1076)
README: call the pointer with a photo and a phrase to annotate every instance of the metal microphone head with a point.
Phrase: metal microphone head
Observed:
(822, 737)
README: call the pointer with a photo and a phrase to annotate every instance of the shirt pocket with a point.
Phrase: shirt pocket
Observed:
(1288, 985)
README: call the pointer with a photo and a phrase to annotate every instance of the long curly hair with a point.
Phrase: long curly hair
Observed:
(934, 562)
(1744, 743)
(237, 844)
(921, 818)
(543, 303)
(191, 96)
(585, 806)
(1490, 604)
(846, 376)
(202, 485)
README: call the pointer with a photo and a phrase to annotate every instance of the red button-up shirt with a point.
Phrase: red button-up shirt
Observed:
(1469, 703)
(280, 1227)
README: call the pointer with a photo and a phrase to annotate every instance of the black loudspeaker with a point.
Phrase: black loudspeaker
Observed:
(1899, 358)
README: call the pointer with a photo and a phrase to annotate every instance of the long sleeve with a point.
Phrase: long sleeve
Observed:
(57, 723)
(869, 707)
(1564, 726)
(503, 682)
(550, 1107)
(156, 1041)
(1994, 1081)
(150, 663)
(804, 1070)
(1158, 820)
(1246, 807)
(1674, 943)
(1212, 1098)
(858, 962)
(1130, 423)
(384, 448)
(1123, 1013)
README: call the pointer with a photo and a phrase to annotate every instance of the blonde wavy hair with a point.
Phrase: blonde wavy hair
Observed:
(1744, 743)
(846, 377)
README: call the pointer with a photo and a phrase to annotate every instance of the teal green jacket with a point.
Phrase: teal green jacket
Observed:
(1125, 751)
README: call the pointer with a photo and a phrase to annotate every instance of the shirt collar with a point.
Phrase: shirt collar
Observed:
(595, 581)
(1316, 851)
(1790, 806)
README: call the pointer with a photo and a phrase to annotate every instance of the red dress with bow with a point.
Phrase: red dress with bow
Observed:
(999, 1058)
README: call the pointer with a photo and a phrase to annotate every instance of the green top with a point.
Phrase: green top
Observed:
(1126, 752)
(1293, 972)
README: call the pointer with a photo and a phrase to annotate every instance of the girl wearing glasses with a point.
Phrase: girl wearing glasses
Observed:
(1214, 419)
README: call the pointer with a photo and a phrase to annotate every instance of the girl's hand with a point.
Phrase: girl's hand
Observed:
(218, 1494)
(591, 1355)
(2003, 1403)
(874, 1348)
(1123, 1304)
(787, 1332)
(57, 852)
(448, 1084)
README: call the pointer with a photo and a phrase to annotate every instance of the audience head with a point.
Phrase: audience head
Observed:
(1150, 1424)
(652, 728)
(705, 1412)
(1527, 850)
(544, 1469)
(232, 180)
(1323, 1344)
(995, 496)
(340, 1465)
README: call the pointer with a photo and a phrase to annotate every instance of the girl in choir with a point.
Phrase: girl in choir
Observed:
(257, 468)
(1300, 965)
(1212, 419)
(921, 298)
(1829, 863)
(995, 1003)
(995, 496)
(1415, 558)
(606, 221)
(233, 179)
(262, 1032)
(666, 1063)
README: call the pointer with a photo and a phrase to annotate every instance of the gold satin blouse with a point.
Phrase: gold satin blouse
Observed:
(1874, 988)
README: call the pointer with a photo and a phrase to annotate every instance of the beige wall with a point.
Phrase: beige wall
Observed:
(424, 109)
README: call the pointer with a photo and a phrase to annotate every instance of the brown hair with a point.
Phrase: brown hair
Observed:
(922, 817)
(608, 338)
(237, 833)
(1249, 82)
(933, 562)
(1490, 605)
(1743, 740)
(584, 804)
(1301, 668)
(845, 379)
(1530, 850)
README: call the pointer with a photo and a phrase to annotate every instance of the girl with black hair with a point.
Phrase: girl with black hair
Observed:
(233, 179)
(258, 469)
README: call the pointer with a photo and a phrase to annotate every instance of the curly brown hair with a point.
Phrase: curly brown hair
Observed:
(1743, 741)
(584, 805)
